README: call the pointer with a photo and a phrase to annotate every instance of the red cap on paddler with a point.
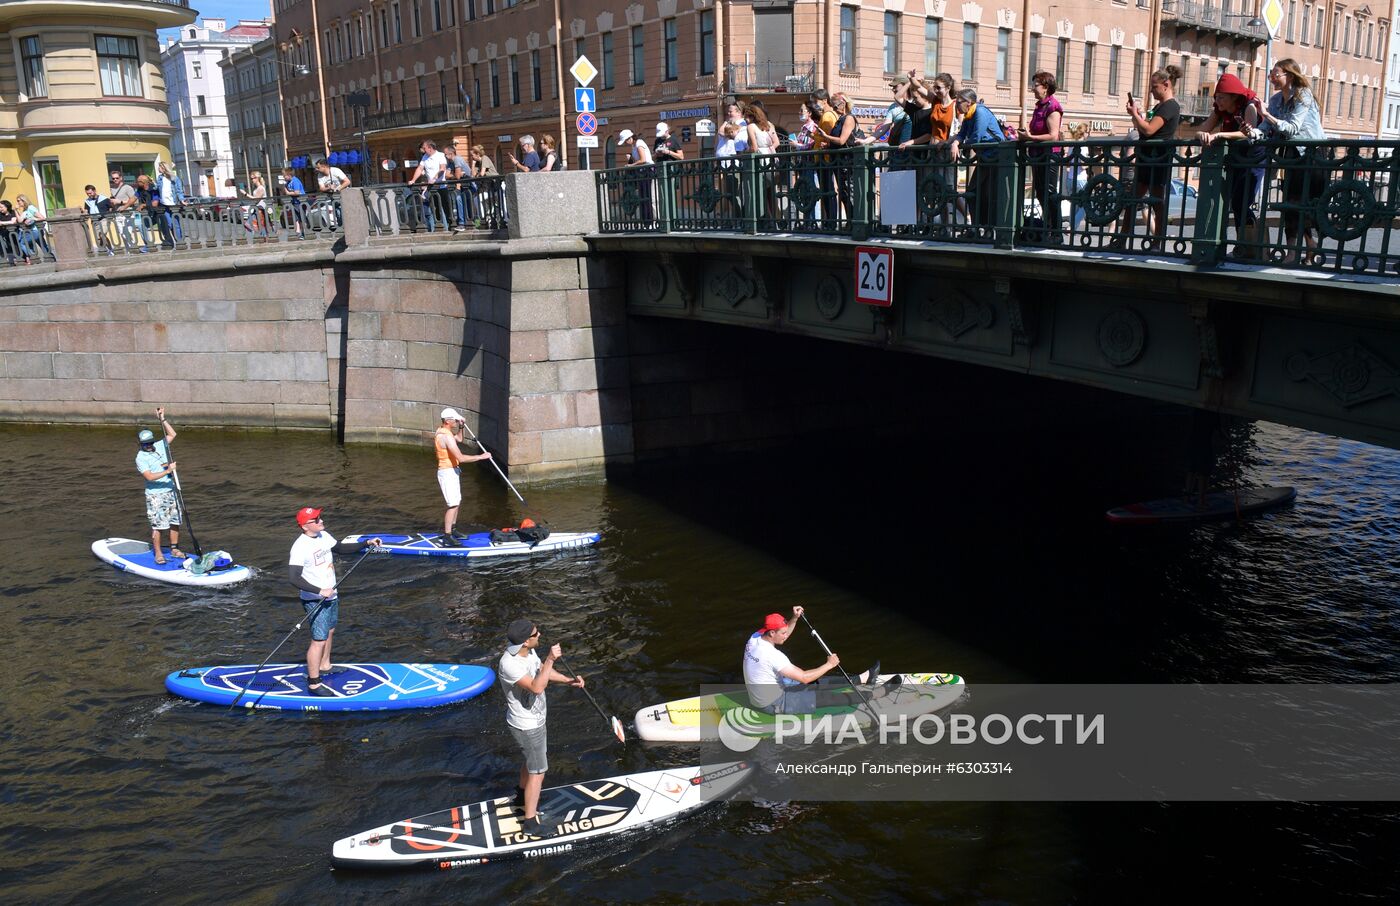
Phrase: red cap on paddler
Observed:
(307, 514)
(773, 622)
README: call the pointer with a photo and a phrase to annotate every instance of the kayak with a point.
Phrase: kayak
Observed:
(697, 719)
(361, 687)
(138, 557)
(492, 831)
(1218, 505)
(478, 544)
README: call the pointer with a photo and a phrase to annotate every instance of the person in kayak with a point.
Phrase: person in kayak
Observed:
(162, 506)
(449, 475)
(775, 684)
(312, 570)
(524, 677)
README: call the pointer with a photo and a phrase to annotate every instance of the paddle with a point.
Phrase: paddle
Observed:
(309, 618)
(822, 642)
(180, 498)
(494, 463)
(612, 720)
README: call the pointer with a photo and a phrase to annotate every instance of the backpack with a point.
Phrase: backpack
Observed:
(528, 532)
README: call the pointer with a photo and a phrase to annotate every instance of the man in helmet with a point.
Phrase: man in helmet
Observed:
(162, 506)
(449, 475)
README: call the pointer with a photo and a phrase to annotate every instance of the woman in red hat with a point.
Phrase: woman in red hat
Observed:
(1236, 118)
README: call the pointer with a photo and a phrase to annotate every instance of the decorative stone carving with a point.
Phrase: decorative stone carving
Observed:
(1037, 24)
(829, 297)
(635, 14)
(1212, 365)
(957, 313)
(665, 8)
(1091, 34)
(655, 281)
(734, 286)
(532, 41)
(512, 47)
(1122, 336)
(1006, 18)
(972, 13)
(1352, 375)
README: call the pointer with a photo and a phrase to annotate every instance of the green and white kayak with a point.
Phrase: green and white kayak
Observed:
(697, 719)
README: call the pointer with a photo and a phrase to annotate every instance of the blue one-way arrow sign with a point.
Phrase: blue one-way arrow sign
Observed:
(585, 101)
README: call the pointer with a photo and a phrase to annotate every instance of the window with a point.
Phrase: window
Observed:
(1034, 58)
(1307, 16)
(200, 107)
(1061, 60)
(514, 80)
(1317, 26)
(969, 61)
(639, 55)
(672, 50)
(470, 14)
(607, 60)
(1370, 36)
(1114, 51)
(383, 28)
(707, 41)
(495, 83)
(119, 65)
(417, 20)
(31, 51)
(1089, 68)
(1288, 28)
(535, 75)
(204, 144)
(932, 28)
(1351, 102)
(197, 68)
(398, 25)
(848, 39)
(891, 43)
(437, 15)
(1346, 36)
(1336, 29)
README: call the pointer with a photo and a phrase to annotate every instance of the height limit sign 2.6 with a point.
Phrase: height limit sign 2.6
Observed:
(874, 276)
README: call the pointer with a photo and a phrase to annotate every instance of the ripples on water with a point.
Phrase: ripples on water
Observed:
(992, 561)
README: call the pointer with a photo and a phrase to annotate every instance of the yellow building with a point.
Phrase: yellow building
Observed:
(81, 93)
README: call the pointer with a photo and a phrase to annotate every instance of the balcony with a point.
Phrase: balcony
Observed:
(160, 13)
(1196, 106)
(1209, 17)
(774, 76)
(417, 116)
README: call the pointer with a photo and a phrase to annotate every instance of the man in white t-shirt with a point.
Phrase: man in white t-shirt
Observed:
(311, 569)
(524, 677)
(773, 681)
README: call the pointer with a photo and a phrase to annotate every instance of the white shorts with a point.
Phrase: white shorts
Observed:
(450, 480)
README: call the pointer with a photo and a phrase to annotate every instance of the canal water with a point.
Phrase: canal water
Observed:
(980, 552)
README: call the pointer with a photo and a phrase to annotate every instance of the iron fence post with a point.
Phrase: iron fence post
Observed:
(862, 193)
(1207, 245)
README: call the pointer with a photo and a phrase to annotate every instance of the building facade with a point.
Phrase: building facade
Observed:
(490, 69)
(1390, 118)
(200, 148)
(81, 93)
(253, 99)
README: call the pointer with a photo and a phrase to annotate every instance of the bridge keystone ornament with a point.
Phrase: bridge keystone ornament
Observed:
(1352, 375)
(830, 297)
(1122, 336)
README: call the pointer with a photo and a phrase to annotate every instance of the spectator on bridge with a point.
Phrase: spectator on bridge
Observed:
(761, 139)
(1293, 115)
(826, 117)
(459, 170)
(529, 161)
(296, 195)
(552, 161)
(1236, 119)
(639, 156)
(331, 179)
(486, 194)
(171, 194)
(144, 192)
(979, 126)
(1044, 129)
(255, 214)
(9, 231)
(732, 139)
(844, 135)
(124, 201)
(1074, 176)
(666, 148)
(97, 208)
(1154, 156)
(432, 169)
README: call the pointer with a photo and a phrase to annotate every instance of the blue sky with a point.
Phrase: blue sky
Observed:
(232, 10)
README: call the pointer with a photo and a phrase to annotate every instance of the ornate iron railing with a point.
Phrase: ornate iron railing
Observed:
(456, 206)
(779, 76)
(1213, 17)
(215, 225)
(1324, 205)
(417, 116)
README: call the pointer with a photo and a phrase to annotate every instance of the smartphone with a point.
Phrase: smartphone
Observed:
(1130, 97)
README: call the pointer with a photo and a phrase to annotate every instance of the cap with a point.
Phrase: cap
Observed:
(518, 633)
(899, 80)
(624, 135)
(453, 415)
(662, 129)
(307, 514)
(773, 621)
(146, 437)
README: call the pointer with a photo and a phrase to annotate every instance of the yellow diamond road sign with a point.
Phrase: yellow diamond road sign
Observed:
(1273, 15)
(584, 71)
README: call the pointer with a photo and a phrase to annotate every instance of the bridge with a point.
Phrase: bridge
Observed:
(588, 319)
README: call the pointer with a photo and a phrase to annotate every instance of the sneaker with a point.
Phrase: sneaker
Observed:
(872, 675)
(333, 671)
(322, 690)
(448, 541)
(542, 824)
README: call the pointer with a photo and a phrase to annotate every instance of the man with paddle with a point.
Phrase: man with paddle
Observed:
(312, 570)
(775, 684)
(525, 677)
(449, 475)
(162, 506)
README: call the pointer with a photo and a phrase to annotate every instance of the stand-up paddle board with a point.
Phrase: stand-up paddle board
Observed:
(697, 719)
(492, 831)
(479, 544)
(1218, 505)
(139, 558)
(361, 687)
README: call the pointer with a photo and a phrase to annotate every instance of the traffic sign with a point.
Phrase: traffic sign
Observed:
(1273, 16)
(585, 101)
(586, 141)
(583, 71)
(874, 276)
(587, 124)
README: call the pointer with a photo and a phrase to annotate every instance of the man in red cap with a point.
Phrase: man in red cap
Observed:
(312, 570)
(772, 680)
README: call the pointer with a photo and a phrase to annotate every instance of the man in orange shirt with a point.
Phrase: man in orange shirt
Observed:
(820, 105)
(449, 475)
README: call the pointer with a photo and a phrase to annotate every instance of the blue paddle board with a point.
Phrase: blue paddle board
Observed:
(477, 545)
(138, 557)
(362, 687)
(1217, 506)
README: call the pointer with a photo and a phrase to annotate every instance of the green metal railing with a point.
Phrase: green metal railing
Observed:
(1323, 205)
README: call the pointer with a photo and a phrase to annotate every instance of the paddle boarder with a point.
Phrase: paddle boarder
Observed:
(162, 506)
(449, 474)
(775, 684)
(312, 570)
(524, 677)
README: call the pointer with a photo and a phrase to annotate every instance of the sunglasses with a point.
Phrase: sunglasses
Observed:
(536, 633)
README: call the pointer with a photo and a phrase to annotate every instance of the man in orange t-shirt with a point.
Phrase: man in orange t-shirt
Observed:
(449, 476)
